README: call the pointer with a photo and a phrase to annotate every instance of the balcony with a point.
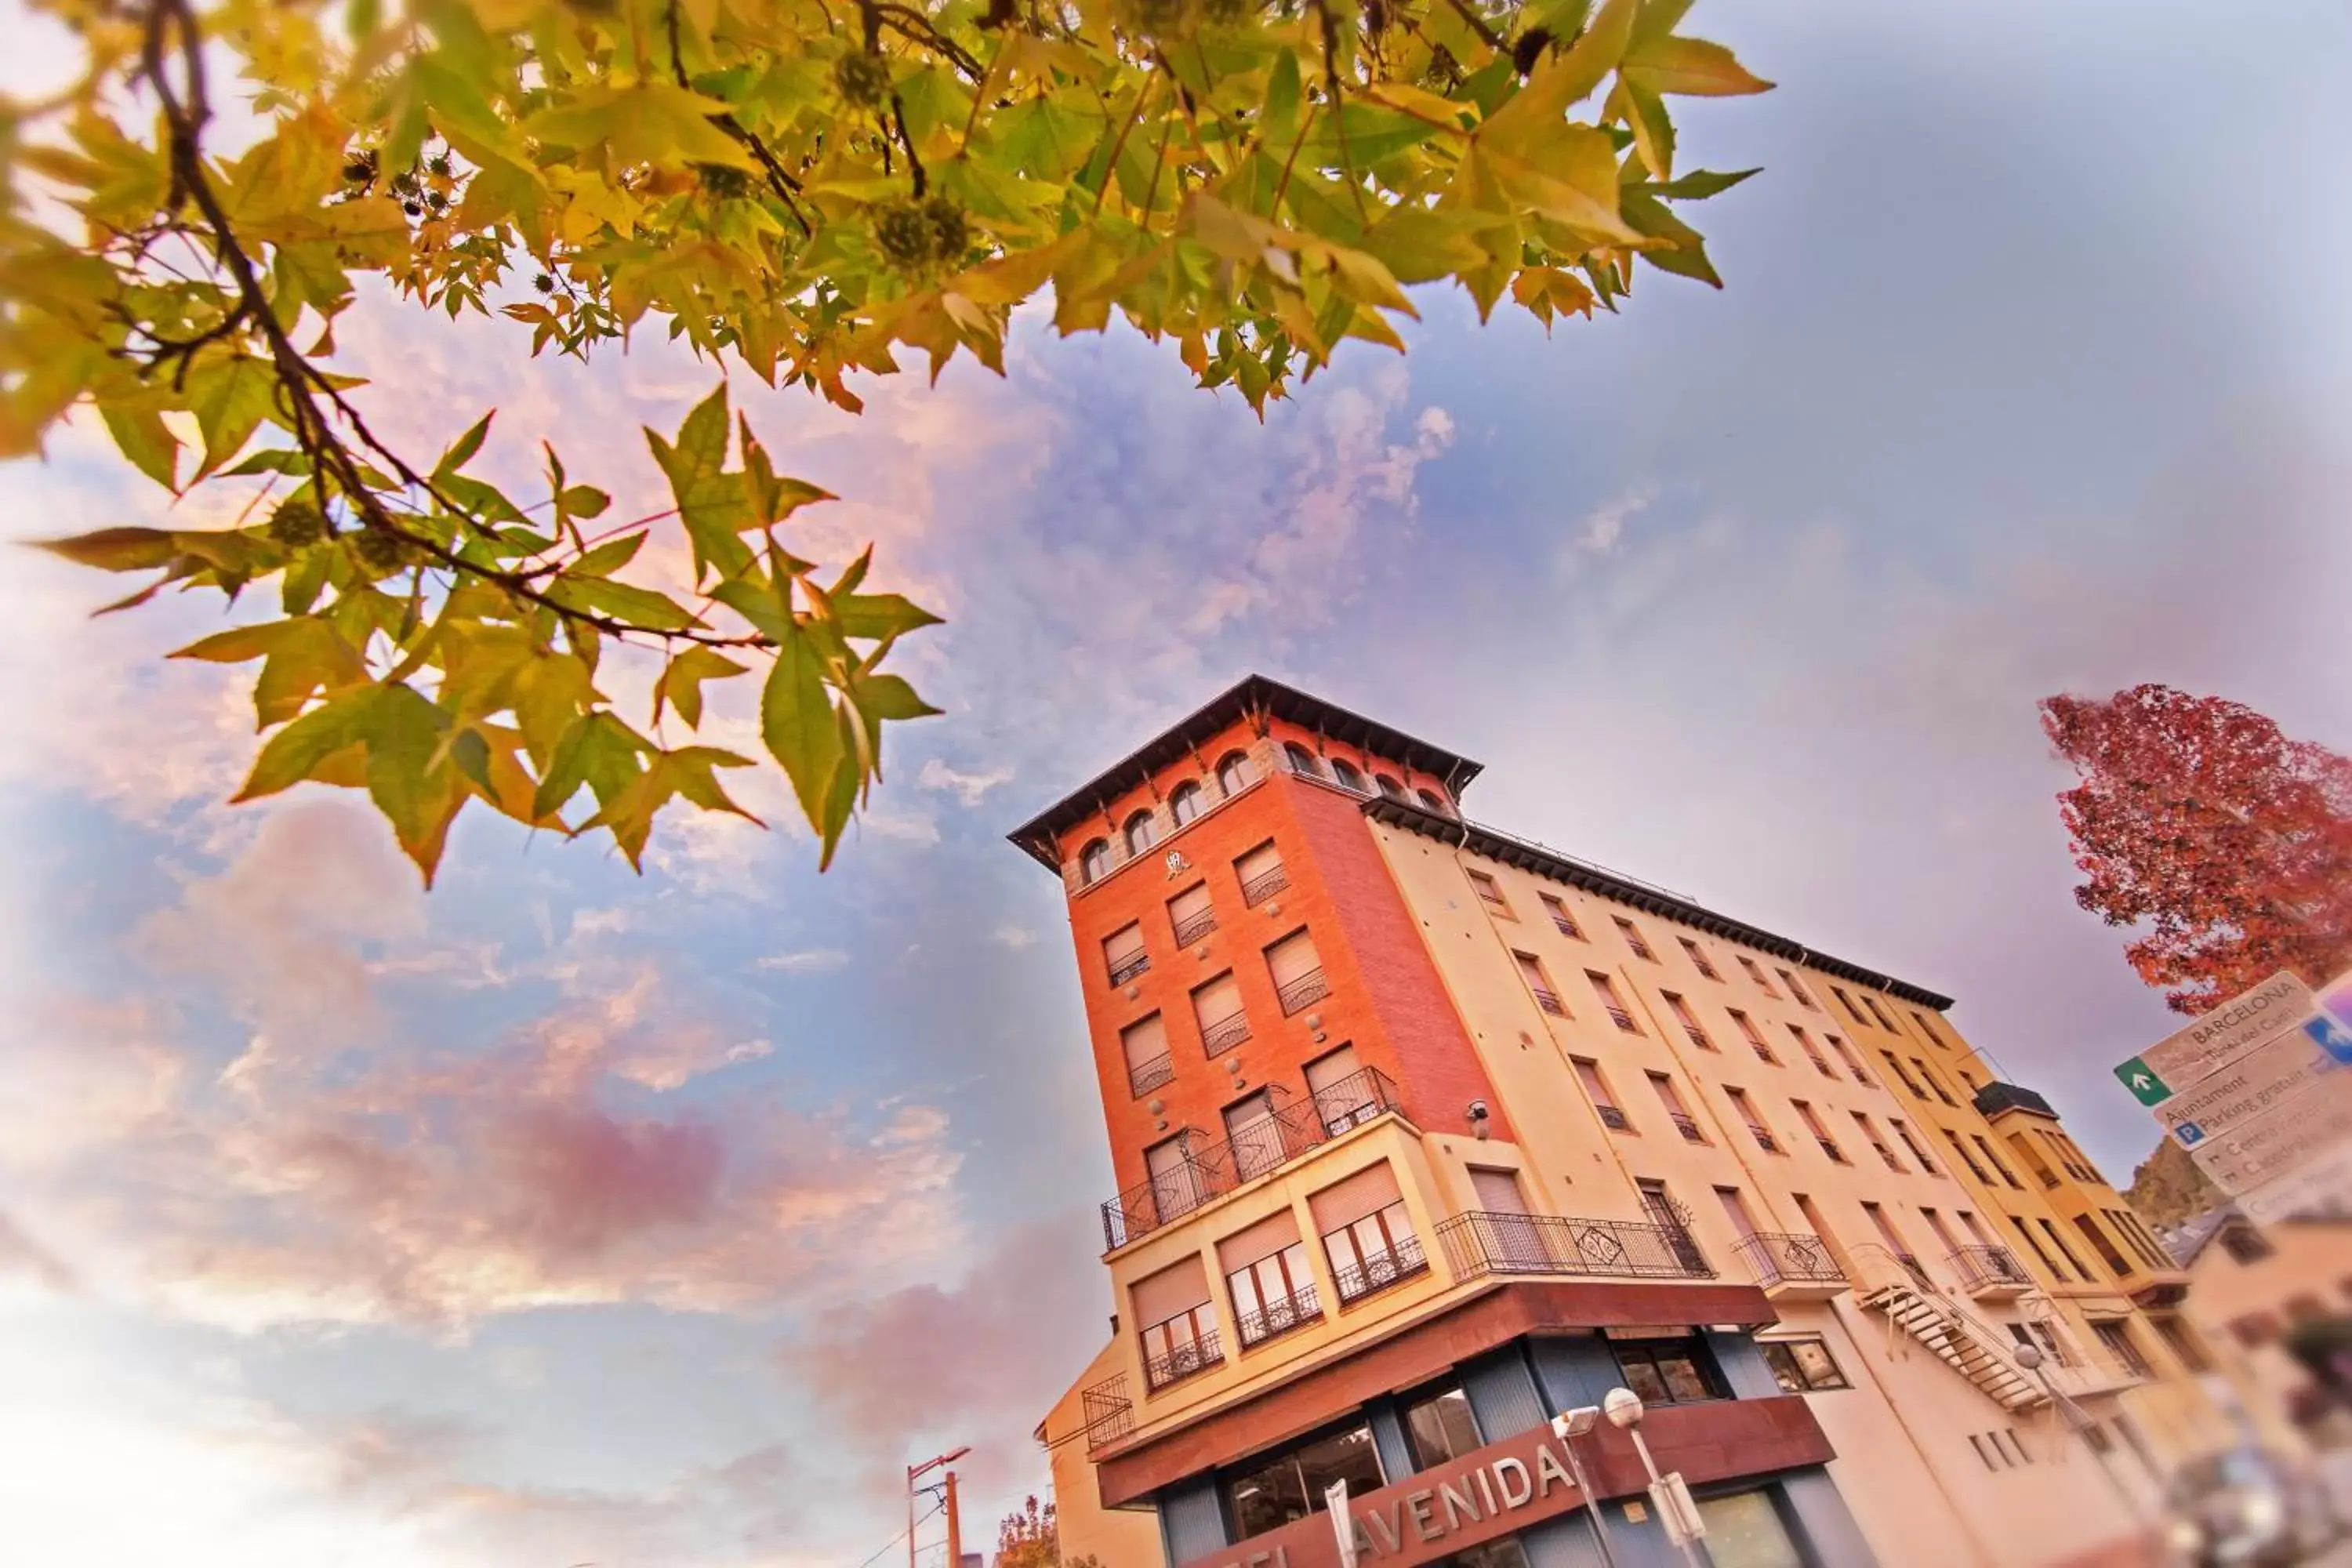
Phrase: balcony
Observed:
(1303, 993)
(1224, 1033)
(1278, 1318)
(1192, 928)
(1623, 1019)
(1990, 1273)
(1265, 884)
(1381, 1270)
(1687, 1125)
(1793, 1266)
(1698, 1037)
(1764, 1141)
(1107, 1412)
(1209, 1170)
(1764, 1053)
(1567, 927)
(1145, 1077)
(1548, 1002)
(1613, 1119)
(1183, 1362)
(1126, 969)
(1829, 1147)
(1481, 1243)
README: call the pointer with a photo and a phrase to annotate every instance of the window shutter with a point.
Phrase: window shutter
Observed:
(1369, 1191)
(1498, 1191)
(1263, 1239)
(1179, 1288)
(1123, 944)
(1292, 957)
(1258, 862)
(1144, 1042)
(1324, 1072)
(1217, 1001)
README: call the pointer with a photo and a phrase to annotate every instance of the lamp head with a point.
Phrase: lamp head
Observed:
(2029, 1357)
(1624, 1407)
(1575, 1423)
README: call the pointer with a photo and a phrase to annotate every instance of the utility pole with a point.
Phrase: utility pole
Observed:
(916, 1473)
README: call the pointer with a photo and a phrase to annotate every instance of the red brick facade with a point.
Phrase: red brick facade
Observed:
(1385, 1000)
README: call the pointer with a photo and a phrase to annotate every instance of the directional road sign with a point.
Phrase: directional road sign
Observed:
(2273, 1143)
(2260, 1081)
(2183, 1056)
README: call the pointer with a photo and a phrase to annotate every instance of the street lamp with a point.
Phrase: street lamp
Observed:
(1624, 1409)
(1568, 1428)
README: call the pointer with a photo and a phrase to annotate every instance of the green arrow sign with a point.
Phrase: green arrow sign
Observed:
(2141, 1079)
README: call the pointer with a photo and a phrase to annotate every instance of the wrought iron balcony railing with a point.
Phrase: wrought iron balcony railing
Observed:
(1303, 991)
(1481, 1242)
(1829, 1147)
(1277, 1318)
(1193, 927)
(1990, 1267)
(1764, 1053)
(1548, 1002)
(1764, 1141)
(1698, 1037)
(1183, 1361)
(1208, 1170)
(1224, 1033)
(1381, 1270)
(1128, 968)
(1145, 1077)
(1567, 927)
(1687, 1125)
(1623, 1019)
(1788, 1257)
(1109, 1413)
(1265, 884)
(1613, 1119)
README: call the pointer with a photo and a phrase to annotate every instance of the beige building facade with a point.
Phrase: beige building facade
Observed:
(1436, 1132)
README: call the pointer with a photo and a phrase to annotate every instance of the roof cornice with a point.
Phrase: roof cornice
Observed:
(1508, 850)
(1251, 695)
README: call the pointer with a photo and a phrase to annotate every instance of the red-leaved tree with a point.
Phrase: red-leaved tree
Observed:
(2226, 844)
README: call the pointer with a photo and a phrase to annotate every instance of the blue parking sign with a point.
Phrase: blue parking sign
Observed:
(2190, 1133)
(2333, 1038)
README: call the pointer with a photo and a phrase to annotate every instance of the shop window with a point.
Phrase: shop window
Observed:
(1745, 1530)
(1439, 1426)
(1669, 1371)
(1272, 1491)
(1802, 1366)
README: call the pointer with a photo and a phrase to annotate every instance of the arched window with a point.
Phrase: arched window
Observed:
(1345, 772)
(1302, 761)
(1434, 801)
(1185, 804)
(1234, 774)
(1389, 787)
(1094, 860)
(1138, 833)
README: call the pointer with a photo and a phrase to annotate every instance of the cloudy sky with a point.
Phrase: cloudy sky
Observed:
(567, 1215)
